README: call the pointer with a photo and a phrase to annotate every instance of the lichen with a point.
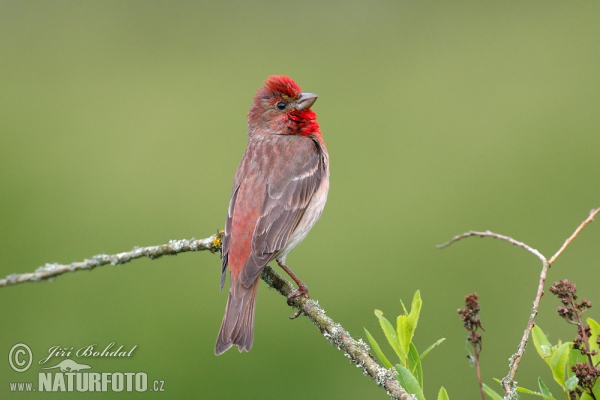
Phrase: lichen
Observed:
(176, 245)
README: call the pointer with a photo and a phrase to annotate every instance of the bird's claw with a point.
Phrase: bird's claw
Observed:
(301, 291)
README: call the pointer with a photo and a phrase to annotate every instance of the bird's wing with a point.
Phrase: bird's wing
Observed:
(289, 185)
(227, 234)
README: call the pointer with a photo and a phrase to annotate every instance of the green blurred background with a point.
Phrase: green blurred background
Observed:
(122, 124)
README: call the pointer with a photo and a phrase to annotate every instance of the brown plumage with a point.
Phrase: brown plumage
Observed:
(279, 192)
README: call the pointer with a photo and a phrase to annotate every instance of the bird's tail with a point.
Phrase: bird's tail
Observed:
(237, 327)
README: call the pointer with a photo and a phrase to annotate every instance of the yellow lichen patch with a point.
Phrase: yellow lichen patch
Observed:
(217, 239)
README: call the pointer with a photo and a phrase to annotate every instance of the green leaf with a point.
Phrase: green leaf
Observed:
(407, 324)
(404, 308)
(595, 328)
(571, 383)
(543, 388)
(491, 393)
(409, 382)
(431, 348)
(541, 343)
(377, 350)
(527, 391)
(558, 363)
(391, 336)
(414, 364)
(403, 334)
(442, 394)
(415, 310)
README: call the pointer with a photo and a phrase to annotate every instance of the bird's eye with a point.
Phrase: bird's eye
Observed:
(281, 105)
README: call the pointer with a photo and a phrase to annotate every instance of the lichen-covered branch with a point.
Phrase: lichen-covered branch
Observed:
(508, 382)
(174, 247)
(356, 351)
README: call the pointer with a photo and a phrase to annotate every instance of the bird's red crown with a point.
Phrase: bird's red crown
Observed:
(283, 85)
(277, 86)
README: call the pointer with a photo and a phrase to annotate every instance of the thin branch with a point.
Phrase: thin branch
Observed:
(496, 236)
(508, 382)
(356, 351)
(589, 219)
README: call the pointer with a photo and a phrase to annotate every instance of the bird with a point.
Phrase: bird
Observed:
(279, 192)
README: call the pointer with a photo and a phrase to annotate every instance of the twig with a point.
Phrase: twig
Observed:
(496, 236)
(356, 351)
(508, 382)
(589, 219)
(174, 247)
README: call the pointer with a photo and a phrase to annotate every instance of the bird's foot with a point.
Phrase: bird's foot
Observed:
(301, 291)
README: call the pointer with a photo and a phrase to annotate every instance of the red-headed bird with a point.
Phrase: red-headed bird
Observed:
(279, 191)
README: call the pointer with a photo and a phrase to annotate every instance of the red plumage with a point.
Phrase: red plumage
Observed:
(279, 191)
(279, 85)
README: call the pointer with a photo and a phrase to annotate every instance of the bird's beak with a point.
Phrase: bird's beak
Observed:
(305, 101)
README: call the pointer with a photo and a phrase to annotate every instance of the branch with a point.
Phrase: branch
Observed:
(174, 247)
(508, 382)
(356, 351)
(496, 236)
(589, 219)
